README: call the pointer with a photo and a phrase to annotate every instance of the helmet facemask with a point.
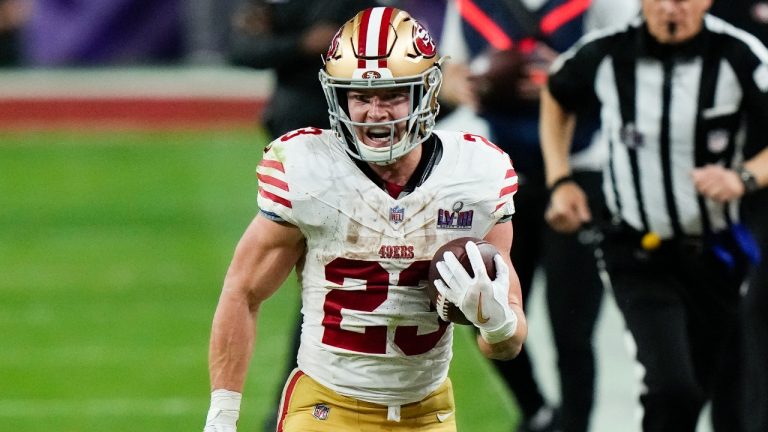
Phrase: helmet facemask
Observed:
(382, 48)
(419, 122)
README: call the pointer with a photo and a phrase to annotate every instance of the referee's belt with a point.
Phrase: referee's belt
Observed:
(734, 246)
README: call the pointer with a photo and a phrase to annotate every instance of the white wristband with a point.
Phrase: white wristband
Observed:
(225, 408)
(504, 332)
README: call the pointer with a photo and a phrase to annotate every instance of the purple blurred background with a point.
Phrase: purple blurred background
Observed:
(94, 32)
(56, 33)
(52, 33)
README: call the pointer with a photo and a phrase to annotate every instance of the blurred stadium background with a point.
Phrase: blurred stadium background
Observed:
(123, 194)
(127, 158)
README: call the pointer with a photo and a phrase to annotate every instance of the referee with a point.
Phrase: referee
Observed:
(752, 15)
(682, 94)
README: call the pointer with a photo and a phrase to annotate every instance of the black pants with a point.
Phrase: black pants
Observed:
(680, 306)
(754, 321)
(574, 294)
(754, 324)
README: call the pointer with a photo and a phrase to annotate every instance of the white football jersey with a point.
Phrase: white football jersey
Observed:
(369, 330)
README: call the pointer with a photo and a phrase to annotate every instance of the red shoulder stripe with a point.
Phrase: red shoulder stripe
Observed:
(269, 163)
(508, 190)
(267, 179)
(275, 198)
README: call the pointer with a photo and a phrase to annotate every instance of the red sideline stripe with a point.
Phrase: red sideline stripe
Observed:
(139, 111)
(510, 173)
(287, 397)
(508, 190)
(560, 15)
(275, 198)
(499, 205)
(484, 25)
(266, 179)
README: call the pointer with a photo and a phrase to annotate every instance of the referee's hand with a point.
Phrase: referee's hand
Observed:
(568, 208)
(718, 183)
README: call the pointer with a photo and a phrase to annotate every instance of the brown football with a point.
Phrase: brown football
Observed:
(457, 246)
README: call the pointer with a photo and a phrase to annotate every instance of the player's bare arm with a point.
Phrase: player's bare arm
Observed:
(501, 237)
(263, 259)
(758, 166)
(568, 208)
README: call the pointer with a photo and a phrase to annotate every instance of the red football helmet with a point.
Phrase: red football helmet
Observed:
(381, 48)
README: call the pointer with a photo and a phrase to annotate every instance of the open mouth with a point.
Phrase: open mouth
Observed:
(379, 135)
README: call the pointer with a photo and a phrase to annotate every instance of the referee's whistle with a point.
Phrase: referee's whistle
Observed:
(672, 29)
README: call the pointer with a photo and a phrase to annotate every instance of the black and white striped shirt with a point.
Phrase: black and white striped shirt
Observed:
(666, 109)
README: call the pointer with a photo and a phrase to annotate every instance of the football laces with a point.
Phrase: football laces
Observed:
(442, 306)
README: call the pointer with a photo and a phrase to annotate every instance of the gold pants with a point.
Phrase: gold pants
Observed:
(307, 406)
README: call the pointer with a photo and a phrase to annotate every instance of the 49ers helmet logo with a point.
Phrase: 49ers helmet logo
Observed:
(423, 41)
(371, 75)
(334, 47)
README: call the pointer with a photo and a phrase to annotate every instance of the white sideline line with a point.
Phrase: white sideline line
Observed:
(181, 82)
(100, 407)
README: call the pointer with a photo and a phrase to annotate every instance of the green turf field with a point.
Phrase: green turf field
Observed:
(113, 246)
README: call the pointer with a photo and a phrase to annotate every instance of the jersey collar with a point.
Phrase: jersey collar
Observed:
(432, 151)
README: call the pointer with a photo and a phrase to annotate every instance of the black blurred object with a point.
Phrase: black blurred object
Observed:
(13, 15)
(546, 420)
(496, 77)
(290, 37)
(509, 81)
(9, 48)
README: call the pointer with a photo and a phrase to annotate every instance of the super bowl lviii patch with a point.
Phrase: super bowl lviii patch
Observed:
(457, 218)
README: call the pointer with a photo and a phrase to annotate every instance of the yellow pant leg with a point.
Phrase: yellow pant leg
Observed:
(307, 406)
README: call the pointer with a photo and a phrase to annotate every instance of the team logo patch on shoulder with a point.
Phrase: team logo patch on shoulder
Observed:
(396, 214)
(321, 411)
(456, 218)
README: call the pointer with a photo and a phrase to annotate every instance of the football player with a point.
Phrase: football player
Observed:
(359, 211)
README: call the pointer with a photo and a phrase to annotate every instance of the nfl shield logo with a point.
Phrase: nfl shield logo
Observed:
(321, 411)
(630, 136)
(717, 140)
(396, 214)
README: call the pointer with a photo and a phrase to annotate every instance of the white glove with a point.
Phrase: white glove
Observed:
(483, 301)
(224, 411)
